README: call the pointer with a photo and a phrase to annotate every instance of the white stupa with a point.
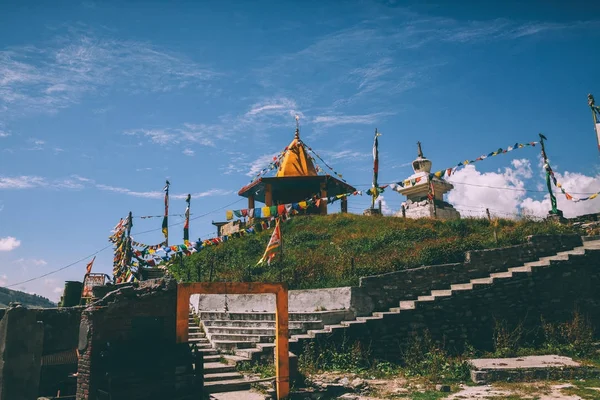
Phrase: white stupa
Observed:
(420, 187)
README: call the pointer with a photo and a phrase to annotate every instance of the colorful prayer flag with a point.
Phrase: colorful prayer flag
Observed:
(274, 244)
(88, 268)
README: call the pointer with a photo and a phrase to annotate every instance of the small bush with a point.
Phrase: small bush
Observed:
(574, 338)
(425, 358)
(507, 341)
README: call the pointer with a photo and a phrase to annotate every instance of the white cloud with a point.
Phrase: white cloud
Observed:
(160, 194)
(188, 152)
(26, 262)
(58, 74)
(58, 290)
(501, 192)
(365, 119)
(274, 106)
(9, 243)
(385, 208)
(261, 162)
(21, 182)
(191, 133)
(344, 154)
(3, 280)
(4, 134)
(577, 184)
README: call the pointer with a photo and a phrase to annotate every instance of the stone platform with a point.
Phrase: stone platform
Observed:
(486, 370)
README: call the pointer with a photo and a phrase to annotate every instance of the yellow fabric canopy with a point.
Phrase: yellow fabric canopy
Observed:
(296, 162)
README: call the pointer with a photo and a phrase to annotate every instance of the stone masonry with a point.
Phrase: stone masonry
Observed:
(552, 287)
(21, 341)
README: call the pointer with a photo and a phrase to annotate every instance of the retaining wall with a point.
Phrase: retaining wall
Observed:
(342, 298)
(387, 290)
(553, 292)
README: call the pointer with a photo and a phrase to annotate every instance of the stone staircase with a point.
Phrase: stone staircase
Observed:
(251, 334)
(408, 306)
(218, 376)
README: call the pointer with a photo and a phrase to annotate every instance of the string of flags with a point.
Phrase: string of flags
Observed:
(285, 209)
(323, 161)
(450, 171)
(560, 186)
(151, 257)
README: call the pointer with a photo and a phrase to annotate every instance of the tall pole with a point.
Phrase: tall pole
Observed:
(595, 113)
(165, 224)
(280, 254)
(548, 173)
(375, 185)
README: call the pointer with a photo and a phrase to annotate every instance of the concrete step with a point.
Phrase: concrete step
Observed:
(213, 358)
(242, 338)
(226, 386)
(327, 317)
(482, 281)
(407, 305)
(425, 298)
(228, 345)
(247, 353)
(208, 351)
(250, 324)
(441, 293)
(537, 264)
(502, 275)
(520, 269)
(217, 368)
(248, 331)
(461, 286)
(223, 376)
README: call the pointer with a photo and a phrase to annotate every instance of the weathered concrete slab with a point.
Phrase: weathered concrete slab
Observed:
(524, 362)
(240, 395)
(486, 370)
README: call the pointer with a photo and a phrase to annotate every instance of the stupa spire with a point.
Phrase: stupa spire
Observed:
(297, 134)
(420, 154)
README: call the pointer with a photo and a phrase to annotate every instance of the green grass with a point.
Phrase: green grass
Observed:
(338, 249)
(584, 389)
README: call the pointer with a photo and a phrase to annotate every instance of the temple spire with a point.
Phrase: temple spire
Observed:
(420, 151)
(297, 134)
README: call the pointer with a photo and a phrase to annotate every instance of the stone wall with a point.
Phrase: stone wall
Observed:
(130, 333)
(342, 298)
(61, 336)
(388, 289)
(21, 338)
(553, 292)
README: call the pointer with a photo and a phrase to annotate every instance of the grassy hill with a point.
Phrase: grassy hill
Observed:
(30, 300)
(336, 250)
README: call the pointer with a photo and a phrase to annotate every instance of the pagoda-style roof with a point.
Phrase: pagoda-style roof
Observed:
(296, 162)
(296, 176)
(295, 183)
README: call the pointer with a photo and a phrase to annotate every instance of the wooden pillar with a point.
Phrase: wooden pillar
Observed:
(344, 204)
(282, 354)
(268, 195)
(324, 196)
(250, 202)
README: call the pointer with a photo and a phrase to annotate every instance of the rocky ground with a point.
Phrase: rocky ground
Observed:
(349, 386)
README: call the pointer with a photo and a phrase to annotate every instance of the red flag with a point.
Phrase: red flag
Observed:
(273, 245)
(89, 266)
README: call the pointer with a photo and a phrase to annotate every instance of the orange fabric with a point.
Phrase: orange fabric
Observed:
(296, 162)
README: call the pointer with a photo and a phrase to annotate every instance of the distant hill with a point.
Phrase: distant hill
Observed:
(336, 250)
(30, 300)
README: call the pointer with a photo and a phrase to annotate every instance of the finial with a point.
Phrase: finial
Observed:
(297, 135)
(420, 151)
(590, 100)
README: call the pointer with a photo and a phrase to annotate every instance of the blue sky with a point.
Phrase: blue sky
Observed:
(100, 102)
